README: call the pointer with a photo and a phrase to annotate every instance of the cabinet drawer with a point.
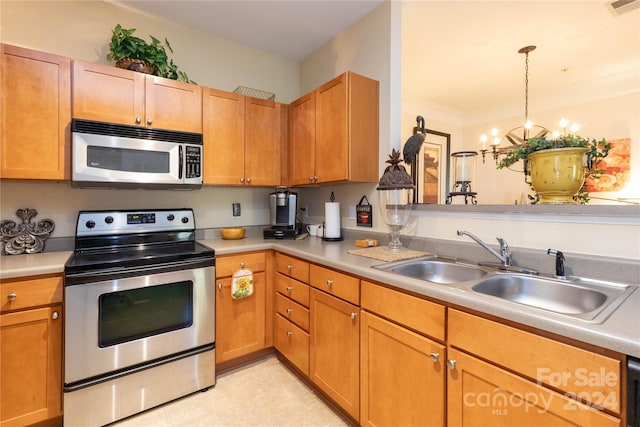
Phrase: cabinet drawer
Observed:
(292, 267)
(292, 342)
(293, 289)
(335, 283)
(292, 311)
(227, 265)
(573, 370)
(418, 314)
(23, 293)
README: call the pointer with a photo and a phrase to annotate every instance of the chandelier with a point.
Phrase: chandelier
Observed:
(519, 135)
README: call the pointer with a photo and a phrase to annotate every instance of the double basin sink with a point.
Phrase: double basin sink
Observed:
(585, 299)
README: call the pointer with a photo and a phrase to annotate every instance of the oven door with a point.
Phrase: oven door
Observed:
(116, 159)
(119, 323)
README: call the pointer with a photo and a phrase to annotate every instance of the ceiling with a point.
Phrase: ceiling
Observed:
(459, 54)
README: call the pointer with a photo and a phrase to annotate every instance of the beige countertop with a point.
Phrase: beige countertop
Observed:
(620, 332)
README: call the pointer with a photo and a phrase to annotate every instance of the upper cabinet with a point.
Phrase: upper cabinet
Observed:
(242, 139)
(35, 108)
(334, 134)
(114, 95)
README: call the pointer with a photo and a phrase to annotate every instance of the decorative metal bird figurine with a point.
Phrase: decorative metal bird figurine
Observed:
(414, 143)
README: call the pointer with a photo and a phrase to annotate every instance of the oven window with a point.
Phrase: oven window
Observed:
(127, 160)
(143, 312)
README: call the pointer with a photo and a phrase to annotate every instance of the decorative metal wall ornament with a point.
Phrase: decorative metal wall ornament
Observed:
(27, 237)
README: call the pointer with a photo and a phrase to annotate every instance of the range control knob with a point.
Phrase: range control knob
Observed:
(109, 220)
(90, 224)
(170, 217)
(185, 219)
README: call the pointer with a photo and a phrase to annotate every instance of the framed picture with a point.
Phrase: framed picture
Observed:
(432, 175)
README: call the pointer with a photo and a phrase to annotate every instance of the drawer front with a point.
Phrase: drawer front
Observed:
(292, 311)
(341, 285)
(420, 315)
(292, 342)
(292, 267)
(573, 370)
(229, 264)
(293, 289)
(25, 293)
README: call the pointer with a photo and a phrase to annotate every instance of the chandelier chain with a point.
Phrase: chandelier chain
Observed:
(526, 87)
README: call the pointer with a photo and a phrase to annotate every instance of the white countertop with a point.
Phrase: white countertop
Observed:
(620, 332)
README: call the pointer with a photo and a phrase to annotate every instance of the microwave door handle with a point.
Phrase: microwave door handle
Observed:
(180, 162)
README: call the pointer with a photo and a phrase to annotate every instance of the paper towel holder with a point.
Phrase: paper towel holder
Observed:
(324, 227)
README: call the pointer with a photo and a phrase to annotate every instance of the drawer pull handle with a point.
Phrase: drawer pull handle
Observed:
(435, 356)
(55, 315)
(289, 310)
(242, 264)
(353, 316)
(289, 267)
(219, 285)
(289, 288)
(329, 282)
(289, 333)
(12, 297)
(451, 363)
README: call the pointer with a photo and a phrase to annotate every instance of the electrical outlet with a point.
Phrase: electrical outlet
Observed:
(352, 212)
(305, 211)
(236, 209)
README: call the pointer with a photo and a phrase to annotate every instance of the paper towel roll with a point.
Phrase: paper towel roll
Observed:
(332, 220)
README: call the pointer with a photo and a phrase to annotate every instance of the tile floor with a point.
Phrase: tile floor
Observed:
(264, 393)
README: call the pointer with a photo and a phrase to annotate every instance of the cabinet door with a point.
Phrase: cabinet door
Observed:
(174, 105)
(240, 323)
(263, 142)
(402, 376)
(334, 350)
(483, 395)
(332, 130)
(30, 366)
(35, 108)
(223, 132)
(108, 94)
(302, 140)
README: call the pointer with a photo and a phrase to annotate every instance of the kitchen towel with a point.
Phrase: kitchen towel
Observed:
(332, 220)
(242, 284)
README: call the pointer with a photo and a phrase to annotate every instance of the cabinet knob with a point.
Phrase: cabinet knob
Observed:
(12, 297)
(149, 122)
(289, 310)
(353, 315)
(55, 315)
(310, 179)
(289, 288)
(315, 179)
(451, 363)
(289, 267)
(242, 179)
(329, 282)
(289, 333)
(219, 285)
(435, 356)
(248, 180)
(242, 264)
(138, 120)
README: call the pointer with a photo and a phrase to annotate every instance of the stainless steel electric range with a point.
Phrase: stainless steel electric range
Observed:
(140, 314)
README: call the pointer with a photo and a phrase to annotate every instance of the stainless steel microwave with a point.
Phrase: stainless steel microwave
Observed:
(121, 156)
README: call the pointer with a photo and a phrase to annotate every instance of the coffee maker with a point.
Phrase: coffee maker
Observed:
(283, 205)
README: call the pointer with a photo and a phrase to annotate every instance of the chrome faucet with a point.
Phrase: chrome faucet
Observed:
(505, 252)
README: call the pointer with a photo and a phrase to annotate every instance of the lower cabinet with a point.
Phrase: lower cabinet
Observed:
(334, 350)
(31, 351)
(402, 376)
(241, 326)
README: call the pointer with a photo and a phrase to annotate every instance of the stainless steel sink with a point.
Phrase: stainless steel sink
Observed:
(585, 299)
(436, 271)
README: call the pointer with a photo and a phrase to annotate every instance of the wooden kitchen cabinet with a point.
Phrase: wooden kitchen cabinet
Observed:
(36, 114)
(241, 324)
(291, 325)
(334, 356)
(402, 376)
(511, 376)
(109, 94)
(31, 351)
(333, 132)
(242, 139)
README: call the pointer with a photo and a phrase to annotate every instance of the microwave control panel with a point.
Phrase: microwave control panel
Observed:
(193, 161)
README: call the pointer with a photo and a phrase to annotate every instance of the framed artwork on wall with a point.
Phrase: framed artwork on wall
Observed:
(433, 168)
